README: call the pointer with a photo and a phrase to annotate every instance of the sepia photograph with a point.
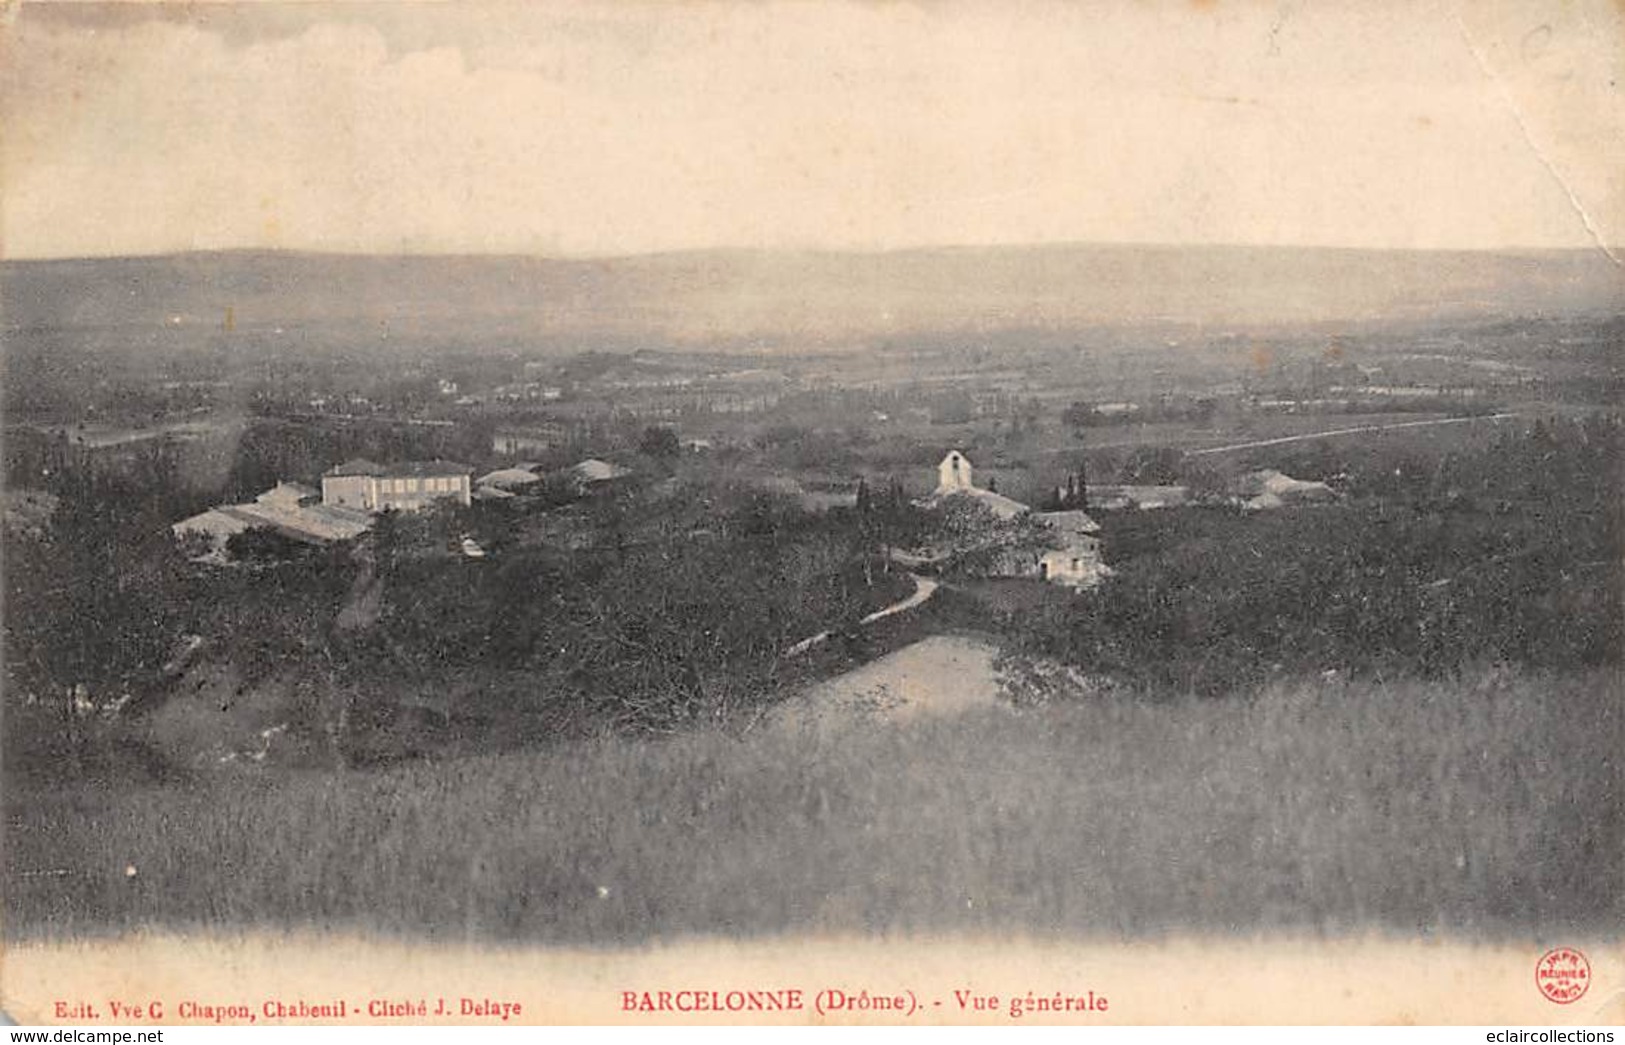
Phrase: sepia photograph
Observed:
(812, 512)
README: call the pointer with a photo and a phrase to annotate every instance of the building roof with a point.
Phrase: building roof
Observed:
(400, 469)
(1270, 481)
(504, 477)
(356, 466)
(288, 492)
(593, 470)
(216, 521)
(313, 524)
(1114, 495)
(1001, 506)
(1069, 521)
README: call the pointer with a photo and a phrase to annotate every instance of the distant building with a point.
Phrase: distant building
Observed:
(1074, 562)
(1113, 497)
(954, 480)
(288, 509)
(1077, 562)
(290, 495)
(529, 441)
(1266, 489)
(407, 486)
(954, 474)
(515, 478)
(593, 472)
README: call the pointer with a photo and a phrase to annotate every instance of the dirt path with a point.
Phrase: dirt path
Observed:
(924, 588)
(938, 675)
(1278, 441)
(364, 601)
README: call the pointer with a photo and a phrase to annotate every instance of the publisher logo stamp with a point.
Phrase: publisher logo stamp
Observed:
(1563, 974)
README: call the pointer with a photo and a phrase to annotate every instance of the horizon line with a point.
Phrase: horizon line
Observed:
(853, 251)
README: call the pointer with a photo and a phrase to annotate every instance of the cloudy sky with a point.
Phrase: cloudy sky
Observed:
(617, 128)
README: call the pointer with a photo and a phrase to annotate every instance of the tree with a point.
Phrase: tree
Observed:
(1153, 465)
(1078, 415)
(94, 610)
(386, 540)
(659, 442)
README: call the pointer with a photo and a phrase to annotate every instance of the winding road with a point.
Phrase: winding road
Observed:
(924, 588)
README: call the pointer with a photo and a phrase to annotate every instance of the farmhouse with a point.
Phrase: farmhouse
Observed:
(1073, 558)
(1076, 563)
(408, 486)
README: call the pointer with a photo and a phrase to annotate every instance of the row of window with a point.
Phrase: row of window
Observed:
(448, 485)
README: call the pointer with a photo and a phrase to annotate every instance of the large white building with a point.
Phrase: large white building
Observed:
(407, 486)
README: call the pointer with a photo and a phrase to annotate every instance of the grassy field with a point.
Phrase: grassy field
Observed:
(1480, 808)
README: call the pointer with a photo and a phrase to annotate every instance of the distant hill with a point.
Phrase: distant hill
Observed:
(796, 297)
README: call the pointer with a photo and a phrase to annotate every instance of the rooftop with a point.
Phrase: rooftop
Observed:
(1002, 506)
(400, 469)
(509, 477)
(313, 524)
(1069, 521)
(596, 471)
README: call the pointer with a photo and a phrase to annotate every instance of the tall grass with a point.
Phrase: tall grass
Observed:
(1480, 808)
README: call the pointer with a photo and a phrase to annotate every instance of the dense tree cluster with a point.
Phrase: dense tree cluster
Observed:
(1508, 553)
(271, 450)
(91, 599)
(657, 615)
(647, 628)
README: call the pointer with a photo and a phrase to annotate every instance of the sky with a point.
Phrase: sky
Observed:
(590, 129)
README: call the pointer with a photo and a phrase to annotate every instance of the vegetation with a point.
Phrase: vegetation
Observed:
(574, 737)
(652, 628)
(89, 596)
(1504, 555)
(264, 544)
(660, 616)
(1489, 805)
(660, 442)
